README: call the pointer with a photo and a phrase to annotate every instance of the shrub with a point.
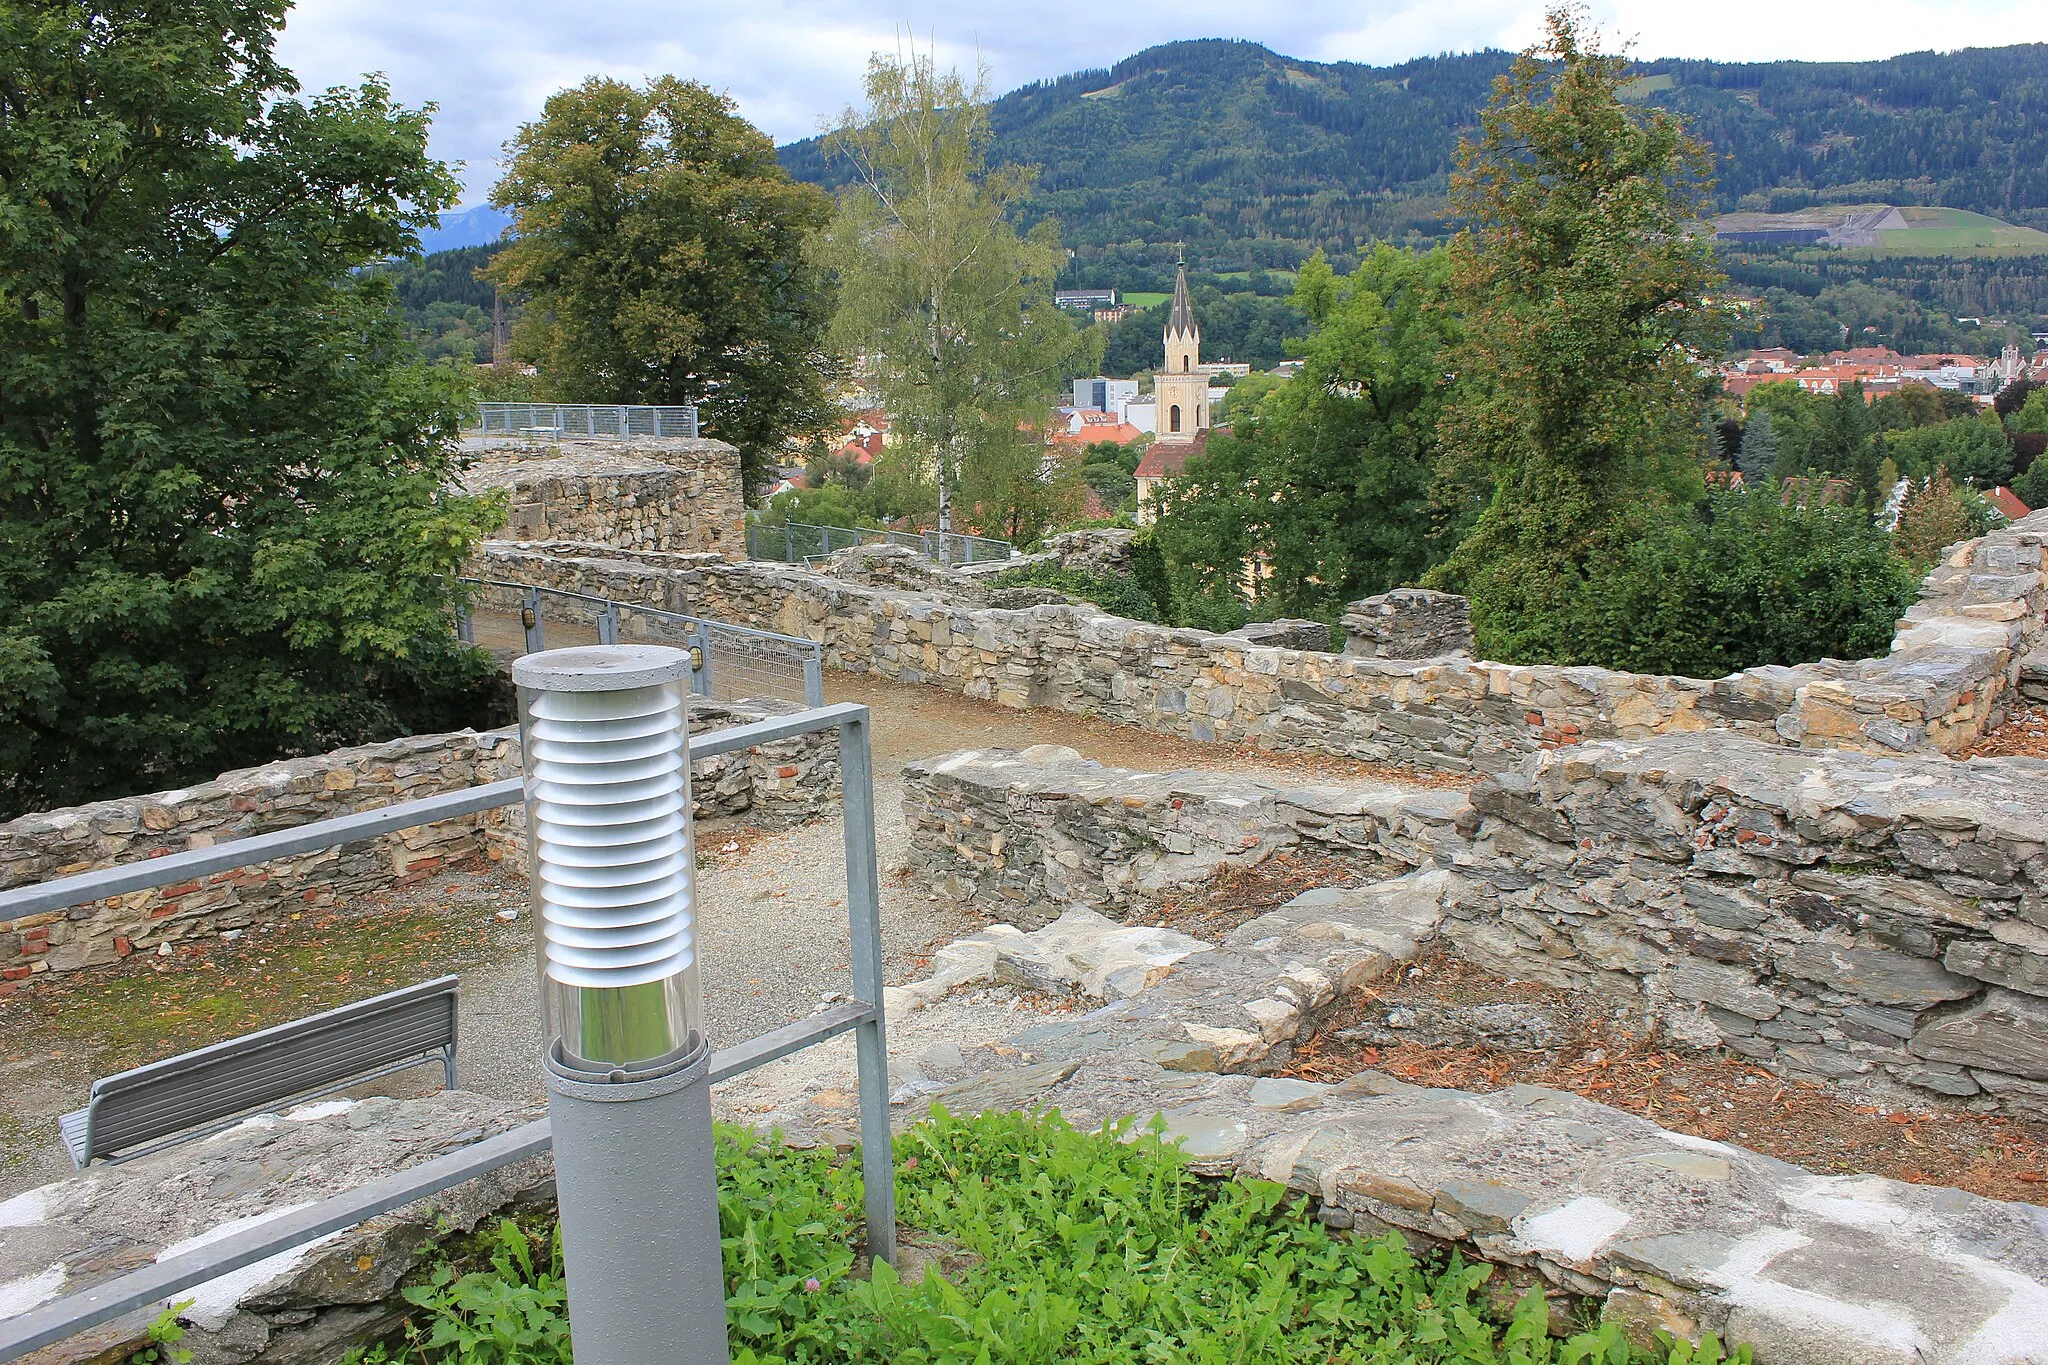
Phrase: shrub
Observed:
(1066, 1246)
(1738, 581)
(1119, 594)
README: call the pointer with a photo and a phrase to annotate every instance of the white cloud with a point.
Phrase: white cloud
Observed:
(793, 64)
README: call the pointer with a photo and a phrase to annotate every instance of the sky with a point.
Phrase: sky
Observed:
(792, 65)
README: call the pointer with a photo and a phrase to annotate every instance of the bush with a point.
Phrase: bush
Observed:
(1738, 581)
(1065, 1246)
(1119, 594)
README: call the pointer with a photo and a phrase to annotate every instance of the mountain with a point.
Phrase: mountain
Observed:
(479, 226)
(1254, 159)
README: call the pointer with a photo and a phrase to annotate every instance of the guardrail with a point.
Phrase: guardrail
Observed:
(728, 662)
(585, 419)
(800, 543)
(74, 1313)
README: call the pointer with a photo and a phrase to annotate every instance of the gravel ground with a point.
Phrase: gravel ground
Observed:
(774, 942)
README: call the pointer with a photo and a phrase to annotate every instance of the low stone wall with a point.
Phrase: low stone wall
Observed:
(1946, 680)
(777, 784)
(639, 494)
(1835, 916)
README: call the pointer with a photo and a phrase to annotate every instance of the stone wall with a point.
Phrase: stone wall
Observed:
(774, 785)
(1834, 916)
(1409, 623)
(645, 493)
(1946, 680)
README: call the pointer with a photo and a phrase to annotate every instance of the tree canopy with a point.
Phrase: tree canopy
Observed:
(663, 256)
(225, 526)
(1585, 309)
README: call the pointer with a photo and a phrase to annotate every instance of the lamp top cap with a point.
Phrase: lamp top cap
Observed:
(600, 668)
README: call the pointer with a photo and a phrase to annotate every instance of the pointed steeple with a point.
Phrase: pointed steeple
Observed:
(1182, 317)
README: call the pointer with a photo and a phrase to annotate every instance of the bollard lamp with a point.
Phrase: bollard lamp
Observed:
(610, 855)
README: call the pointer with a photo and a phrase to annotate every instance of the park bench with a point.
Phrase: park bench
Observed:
(189, 1096)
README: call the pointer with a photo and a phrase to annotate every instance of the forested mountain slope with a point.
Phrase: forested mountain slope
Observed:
(1253, 158)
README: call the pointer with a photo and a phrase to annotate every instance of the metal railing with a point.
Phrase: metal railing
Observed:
(74, 1313)
(727, 662)
(797, 543)
(585, 419)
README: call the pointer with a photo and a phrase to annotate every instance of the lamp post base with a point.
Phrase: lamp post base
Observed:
(636, 1184)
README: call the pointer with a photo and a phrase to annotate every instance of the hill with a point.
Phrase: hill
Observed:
(1254, 159)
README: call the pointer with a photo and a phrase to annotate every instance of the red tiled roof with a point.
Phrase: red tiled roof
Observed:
(1165, 459)
(2002, 498)
(1122, 433)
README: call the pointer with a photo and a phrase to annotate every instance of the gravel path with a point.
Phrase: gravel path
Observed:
(774, 942)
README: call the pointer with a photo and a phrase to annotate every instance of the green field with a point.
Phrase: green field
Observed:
(1144, 299)
(1958, 232)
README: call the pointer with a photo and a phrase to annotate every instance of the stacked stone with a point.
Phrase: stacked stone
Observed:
(1946, 681)
(771, 785)
(639, 494)
(1835, 916)
(1409, 623)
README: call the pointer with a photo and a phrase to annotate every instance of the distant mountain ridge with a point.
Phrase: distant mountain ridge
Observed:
(1255, 158)
(479, 226)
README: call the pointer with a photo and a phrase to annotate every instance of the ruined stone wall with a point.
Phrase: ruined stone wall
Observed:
(1836, 915)
(774, 785)
(639, 494)
(1945, 681)
(1409, 623)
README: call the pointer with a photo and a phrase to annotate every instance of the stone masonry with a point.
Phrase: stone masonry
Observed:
(1839, 916)
(645, 493)
(1947, 678)
(1593, 1207)
(774, 785)
(1409, 623)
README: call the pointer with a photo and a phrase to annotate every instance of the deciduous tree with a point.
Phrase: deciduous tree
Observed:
(664, 256)
(1585, 291)
(226, 530)
(946, 308)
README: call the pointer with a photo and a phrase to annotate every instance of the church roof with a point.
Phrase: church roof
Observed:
(1182, 318)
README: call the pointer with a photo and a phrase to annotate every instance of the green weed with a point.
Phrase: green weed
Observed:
(1077, 1247)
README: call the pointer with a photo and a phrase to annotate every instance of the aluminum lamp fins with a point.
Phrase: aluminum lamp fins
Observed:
(611, 855)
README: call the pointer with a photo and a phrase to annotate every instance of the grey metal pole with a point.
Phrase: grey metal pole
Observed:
(529, 617)
(814, 677)
(612, 867)
(864, 920)
(608, 626)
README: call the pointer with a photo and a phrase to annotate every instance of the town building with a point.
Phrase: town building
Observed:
(1180, 392)
(1084, 300)
(1103, 394)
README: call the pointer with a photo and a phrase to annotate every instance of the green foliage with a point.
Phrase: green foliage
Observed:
(1111, 470)
(1116, 593)
(1584, 301)
(165, 1332)
(1972, 449)
(664, 257)
(951, 309)
(446, 307)
(1329, 483)
(1053, 1245)
(2033, 414)
(830, 505)
(1236, 325)
(225, 534)
(1741, 580)
(1759, 448)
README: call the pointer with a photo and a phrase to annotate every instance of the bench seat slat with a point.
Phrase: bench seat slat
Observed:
(246, 1074)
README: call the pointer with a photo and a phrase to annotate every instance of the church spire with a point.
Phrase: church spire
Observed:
(1182, 317)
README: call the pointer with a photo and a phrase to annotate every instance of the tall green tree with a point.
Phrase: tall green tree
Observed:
(1328, 481)
(664, 257)
(1759, 449)
(1584, 286)
(225, 526)
(948, 310)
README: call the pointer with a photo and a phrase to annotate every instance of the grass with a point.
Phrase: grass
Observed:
(1044, 1244)
(1144, 298)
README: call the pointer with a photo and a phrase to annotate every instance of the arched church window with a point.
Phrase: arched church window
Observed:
(1173, 418)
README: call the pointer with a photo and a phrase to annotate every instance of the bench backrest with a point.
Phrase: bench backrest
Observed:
(273, 1064)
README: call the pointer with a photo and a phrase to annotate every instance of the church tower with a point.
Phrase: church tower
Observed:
(1182, 388)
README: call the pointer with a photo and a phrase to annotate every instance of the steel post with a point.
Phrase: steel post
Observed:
(529, 617)
(864, 921)
(814, 677)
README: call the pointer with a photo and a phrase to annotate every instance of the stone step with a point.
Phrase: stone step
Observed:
(2034, 676)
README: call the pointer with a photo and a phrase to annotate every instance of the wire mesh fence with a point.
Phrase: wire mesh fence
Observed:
(585, 419)
(727, 662)
(798, 543)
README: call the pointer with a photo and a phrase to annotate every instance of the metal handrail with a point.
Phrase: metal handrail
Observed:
(61, 1318)
(588, 419)
(812, 651)
(937, 546)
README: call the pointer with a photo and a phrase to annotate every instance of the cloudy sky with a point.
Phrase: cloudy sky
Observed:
(489, 64)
